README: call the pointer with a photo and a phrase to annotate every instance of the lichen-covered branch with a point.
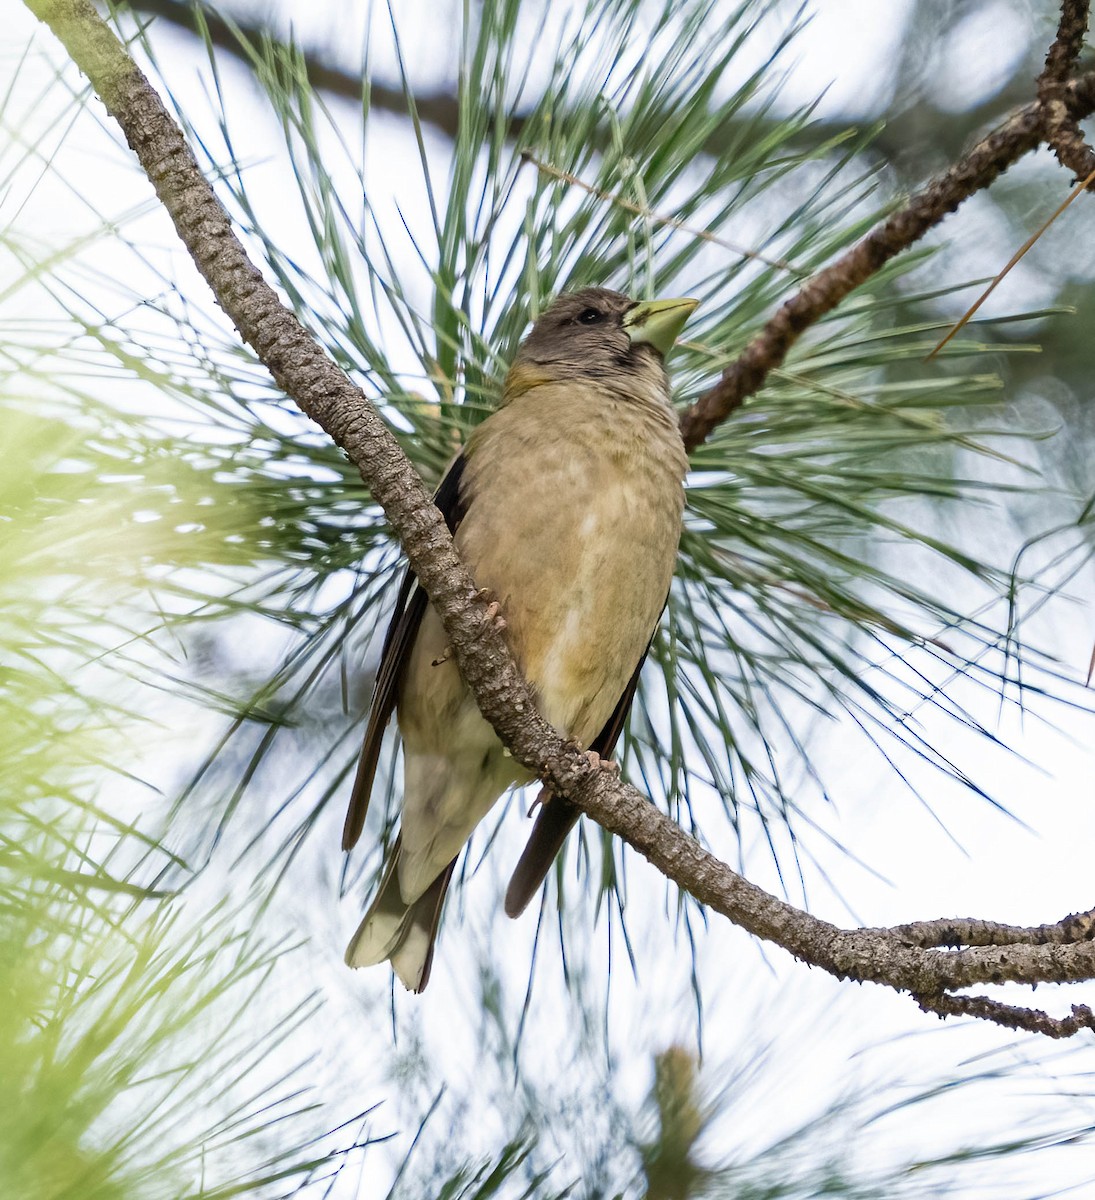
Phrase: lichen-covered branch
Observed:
(905, 958)
(1062, 129)
(1010, 1016)
(975, 931)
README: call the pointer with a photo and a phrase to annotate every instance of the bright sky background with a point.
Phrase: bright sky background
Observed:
(827, 1038)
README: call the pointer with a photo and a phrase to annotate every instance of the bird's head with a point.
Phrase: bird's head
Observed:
(604, 336)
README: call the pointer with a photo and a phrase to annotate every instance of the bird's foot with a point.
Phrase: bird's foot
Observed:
(492, 610)
(541, 799)
(597, 762)
(493, 613)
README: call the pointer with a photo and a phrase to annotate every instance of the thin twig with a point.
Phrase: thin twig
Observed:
(1010, 1016)
(974, 931)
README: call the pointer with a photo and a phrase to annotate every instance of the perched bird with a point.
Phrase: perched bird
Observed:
(566, 506)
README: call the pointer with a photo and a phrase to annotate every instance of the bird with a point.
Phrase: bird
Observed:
(566, 505)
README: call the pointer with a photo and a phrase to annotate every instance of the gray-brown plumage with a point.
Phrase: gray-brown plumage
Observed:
(566, 504)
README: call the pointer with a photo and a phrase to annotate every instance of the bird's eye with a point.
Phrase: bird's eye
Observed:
(590, 316)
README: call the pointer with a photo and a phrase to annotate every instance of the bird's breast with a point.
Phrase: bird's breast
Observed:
(574, 527)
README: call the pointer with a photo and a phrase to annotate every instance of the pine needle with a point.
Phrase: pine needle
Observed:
(660, 219)
(1011, 263)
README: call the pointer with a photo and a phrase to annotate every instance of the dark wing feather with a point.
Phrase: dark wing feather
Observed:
(557, 816)
(428, 915)
(410, 604)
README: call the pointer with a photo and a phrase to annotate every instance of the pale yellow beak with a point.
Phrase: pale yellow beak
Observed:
(657, 322)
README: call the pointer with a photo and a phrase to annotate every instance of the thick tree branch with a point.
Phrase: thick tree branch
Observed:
(902, 958)
(302, 369)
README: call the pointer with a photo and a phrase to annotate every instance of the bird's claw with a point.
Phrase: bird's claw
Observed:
(493, 610)
(597, 762)
(493, 614)
(541, 799)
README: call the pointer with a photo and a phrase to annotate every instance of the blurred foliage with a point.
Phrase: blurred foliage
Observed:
(131, 1066)
(671, 1173)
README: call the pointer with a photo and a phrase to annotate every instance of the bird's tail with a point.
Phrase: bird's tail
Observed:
(402, 933)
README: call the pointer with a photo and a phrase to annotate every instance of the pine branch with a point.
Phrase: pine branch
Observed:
(324, 393)
(1023, 131)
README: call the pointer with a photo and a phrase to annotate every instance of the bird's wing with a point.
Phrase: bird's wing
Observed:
(557, 816)
(410, 604)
